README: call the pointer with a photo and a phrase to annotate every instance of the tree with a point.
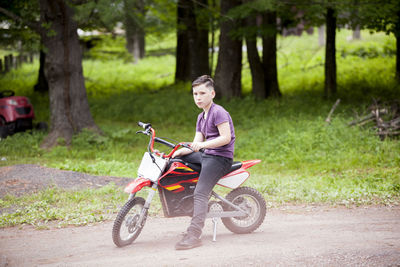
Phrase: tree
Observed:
(397, 34)
(330, 54)
(326, 13)
(192, 40)
(18, 35)
(255, 62)
(198, 40)
(135, 12)
(42, 84)
(69, 107)
(229, 66)
(354, 21)
(375, 15)
(108, 15)
(269, 54)
(182, 72)
(260, 21)
(383, 16)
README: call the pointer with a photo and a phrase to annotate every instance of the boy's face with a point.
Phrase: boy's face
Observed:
(203, 96)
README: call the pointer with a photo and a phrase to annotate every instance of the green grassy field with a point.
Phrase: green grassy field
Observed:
(304, 160)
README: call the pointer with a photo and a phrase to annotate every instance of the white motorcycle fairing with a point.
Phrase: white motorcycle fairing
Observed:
(234, 179)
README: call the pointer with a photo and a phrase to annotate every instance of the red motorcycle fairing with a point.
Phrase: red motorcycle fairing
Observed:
(178, 174)
(249, 163)
(176, 189)
(136, 185)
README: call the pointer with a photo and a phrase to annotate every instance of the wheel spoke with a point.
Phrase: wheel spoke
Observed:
(129, 226)
(126, 226)
(250, 201)
(250, 205)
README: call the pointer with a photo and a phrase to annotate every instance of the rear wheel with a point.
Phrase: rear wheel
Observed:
(251, 201)
(3, 128)
(126, 226)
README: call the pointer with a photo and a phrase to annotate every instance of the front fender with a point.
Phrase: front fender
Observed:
(136, 185)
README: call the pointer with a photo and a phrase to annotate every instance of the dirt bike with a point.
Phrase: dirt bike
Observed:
(242, 211)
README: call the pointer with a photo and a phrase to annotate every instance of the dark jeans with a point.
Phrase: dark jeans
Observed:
(212, 169)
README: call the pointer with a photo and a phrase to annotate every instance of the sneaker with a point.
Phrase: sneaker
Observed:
(188, 241)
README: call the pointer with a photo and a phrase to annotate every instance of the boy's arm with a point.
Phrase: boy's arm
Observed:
(224, 138)
(184, 151)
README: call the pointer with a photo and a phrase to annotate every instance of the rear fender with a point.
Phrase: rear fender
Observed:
(237, 178)
(249, 163)
(137, 185)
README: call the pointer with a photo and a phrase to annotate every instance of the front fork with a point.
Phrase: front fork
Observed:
(143, 213)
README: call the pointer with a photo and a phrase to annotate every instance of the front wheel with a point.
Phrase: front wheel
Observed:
(126, 226)
(251, 201)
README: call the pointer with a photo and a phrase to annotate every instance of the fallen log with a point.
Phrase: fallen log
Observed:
(386, 121)
(369, 117)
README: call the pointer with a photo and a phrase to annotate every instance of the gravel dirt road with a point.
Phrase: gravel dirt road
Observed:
(291, 236)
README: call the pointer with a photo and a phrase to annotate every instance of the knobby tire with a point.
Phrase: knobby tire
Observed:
(118, 223)
(236, 197)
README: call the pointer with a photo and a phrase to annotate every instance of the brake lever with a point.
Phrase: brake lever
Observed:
(143, 132)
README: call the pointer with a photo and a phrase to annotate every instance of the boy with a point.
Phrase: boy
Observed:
(216, 135)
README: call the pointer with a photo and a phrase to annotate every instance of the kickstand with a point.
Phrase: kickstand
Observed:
(215, 221)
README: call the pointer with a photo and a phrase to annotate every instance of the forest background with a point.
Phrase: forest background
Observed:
(279, 96)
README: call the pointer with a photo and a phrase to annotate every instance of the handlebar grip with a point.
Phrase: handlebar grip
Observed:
(144, 125)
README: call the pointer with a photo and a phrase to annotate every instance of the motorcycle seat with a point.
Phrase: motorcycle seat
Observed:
(236, 165)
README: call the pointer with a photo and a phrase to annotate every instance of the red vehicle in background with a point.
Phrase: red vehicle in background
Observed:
(16, 113)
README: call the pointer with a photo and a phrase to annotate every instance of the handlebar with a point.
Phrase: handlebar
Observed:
(152, 133)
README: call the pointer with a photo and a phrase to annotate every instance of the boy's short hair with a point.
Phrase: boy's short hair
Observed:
(204, 79)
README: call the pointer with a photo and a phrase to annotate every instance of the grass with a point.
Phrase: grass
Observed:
(304, 160)
(68, 208)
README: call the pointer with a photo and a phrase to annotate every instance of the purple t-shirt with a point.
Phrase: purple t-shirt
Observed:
(208, 127)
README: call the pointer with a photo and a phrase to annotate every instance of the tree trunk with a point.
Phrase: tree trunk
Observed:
(212, 28)
(256, 66)
(356, 33)
(330, 54)
(321, 35)
(269, 55)
(355, 21)
(69, 107)
(7, 64)
(134, 28)
(198, 40)
(192, 47)
(182, 71)
(397, 35)
(228, 74)
(398, 56)
(42, 85)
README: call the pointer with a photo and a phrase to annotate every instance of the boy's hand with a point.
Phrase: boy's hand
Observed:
(181, 152)
(196, 146)
(177, 153)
